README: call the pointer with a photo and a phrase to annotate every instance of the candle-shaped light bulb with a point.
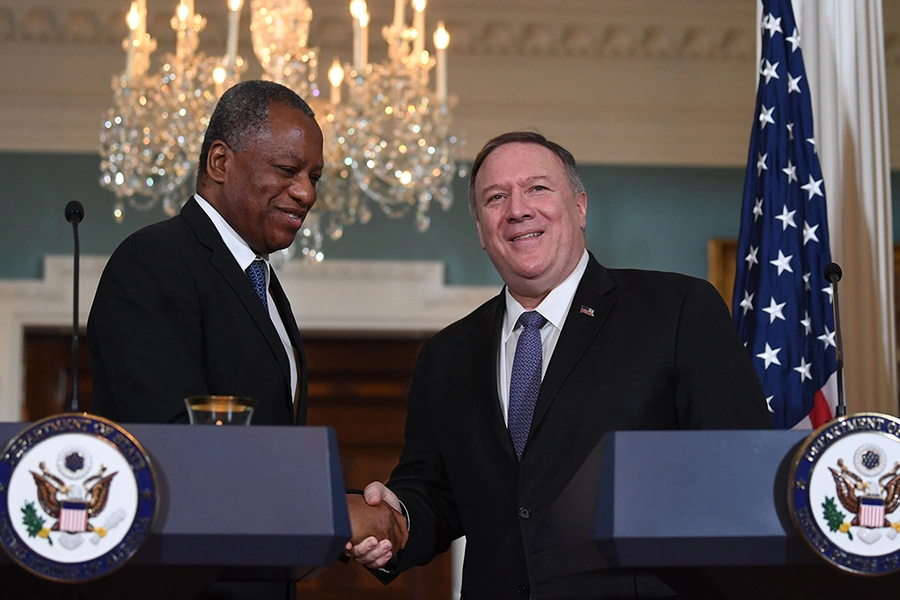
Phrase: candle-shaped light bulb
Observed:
(142, 23)
(182, 12)
(364, 39)
(358, 10)
(441, 41)
(399, 15)
(219, 75)
(419, 26)
(133, 19)
(234, 20)
(336, 77)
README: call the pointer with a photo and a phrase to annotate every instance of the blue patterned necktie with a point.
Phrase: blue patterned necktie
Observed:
(257, 273)
(525, 383)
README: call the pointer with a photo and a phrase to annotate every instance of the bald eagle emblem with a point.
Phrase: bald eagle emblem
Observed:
(72, 504)
(867, 494)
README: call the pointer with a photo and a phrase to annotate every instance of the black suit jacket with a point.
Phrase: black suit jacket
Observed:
(175, 316)
(659, 352)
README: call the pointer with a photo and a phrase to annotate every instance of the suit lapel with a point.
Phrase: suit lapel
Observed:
(595, 291)
(495, 411)
(223, 261)
(290, 325)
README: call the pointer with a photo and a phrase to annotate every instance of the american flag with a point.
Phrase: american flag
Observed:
(782, 302)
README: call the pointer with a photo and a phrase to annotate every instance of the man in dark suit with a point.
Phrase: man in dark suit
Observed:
(177, 312)
(503, 410)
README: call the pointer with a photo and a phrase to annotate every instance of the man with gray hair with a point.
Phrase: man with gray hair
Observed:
(506, 403)
(190, 306)
(176, 313)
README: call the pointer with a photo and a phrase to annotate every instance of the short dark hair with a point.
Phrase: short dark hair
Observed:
(524, 137)
(242, 115)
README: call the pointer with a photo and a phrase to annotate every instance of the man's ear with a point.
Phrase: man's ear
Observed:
(217, 161)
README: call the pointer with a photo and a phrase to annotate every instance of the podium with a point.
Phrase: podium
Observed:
(706, 511)
(240, 504)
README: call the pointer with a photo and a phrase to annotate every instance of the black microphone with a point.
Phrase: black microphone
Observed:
(74, 215)
(833, 274)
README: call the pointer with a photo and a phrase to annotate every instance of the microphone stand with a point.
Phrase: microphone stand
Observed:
(74, 215)
(833, 274)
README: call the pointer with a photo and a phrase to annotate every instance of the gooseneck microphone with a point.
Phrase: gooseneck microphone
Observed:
(74, 215)
(833, 274)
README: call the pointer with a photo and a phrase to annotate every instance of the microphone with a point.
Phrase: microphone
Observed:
(833, 274)
(74, 215)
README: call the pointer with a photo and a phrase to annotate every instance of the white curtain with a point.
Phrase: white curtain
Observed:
(843, 48)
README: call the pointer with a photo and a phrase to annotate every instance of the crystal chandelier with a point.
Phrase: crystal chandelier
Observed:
(388, 143)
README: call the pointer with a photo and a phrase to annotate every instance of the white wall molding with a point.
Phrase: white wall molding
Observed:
(333, 297)
(663, 82)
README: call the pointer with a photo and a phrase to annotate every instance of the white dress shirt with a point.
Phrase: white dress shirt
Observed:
(244, 256)
(554, 308)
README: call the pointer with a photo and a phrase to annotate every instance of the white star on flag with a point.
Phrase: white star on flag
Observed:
(757, 209)
(793, 83)
(827, 338)
(787, 218)
(772, 24)
(761, 163)
(783, 263)
(751, 257)
(794, 39)
(769, 71)
(790, 171)
(775, 310)
(765, 116)
(813, 188)
(830, 291)
(807, 324)
(747, 302)
(769, 403)
(770, 356)
(809, 233)
(804, 370)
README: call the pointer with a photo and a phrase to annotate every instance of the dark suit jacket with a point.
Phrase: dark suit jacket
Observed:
(659, 352)
(175, 316)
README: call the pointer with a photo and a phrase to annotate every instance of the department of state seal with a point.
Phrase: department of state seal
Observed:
(845, 491)
(77, 497)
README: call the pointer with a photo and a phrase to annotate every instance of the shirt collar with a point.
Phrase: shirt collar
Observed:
(236, 244)
(554, 307)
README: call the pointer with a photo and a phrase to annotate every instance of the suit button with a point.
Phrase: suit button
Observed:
(524, 512)
(522, 590)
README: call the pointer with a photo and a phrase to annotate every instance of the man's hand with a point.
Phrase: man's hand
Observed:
(378, 526)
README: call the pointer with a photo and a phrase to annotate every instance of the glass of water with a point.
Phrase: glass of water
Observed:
(220, 410)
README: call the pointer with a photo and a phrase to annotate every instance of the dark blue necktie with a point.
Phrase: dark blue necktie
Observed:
(525, 383)
(257, 273)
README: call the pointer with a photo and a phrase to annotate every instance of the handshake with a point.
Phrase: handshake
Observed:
(379, 526)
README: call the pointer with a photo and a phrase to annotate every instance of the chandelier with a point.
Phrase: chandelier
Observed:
(387, 139)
